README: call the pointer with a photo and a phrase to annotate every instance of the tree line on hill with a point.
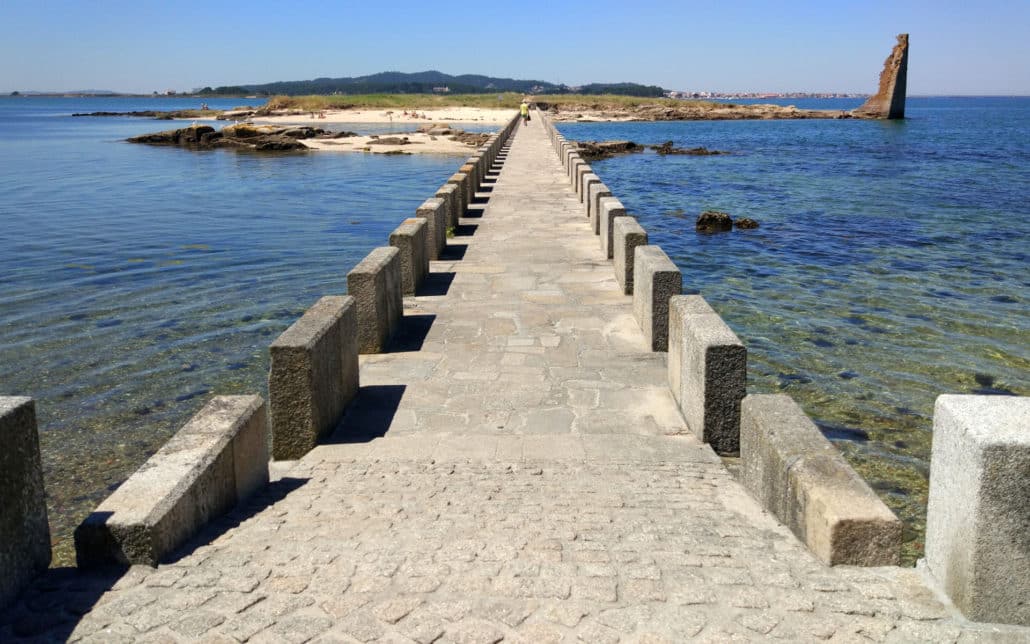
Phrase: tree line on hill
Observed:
(426, 83)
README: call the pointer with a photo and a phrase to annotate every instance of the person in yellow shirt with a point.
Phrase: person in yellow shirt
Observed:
(524, 110)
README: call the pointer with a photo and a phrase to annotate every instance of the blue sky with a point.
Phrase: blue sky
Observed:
(142, 46)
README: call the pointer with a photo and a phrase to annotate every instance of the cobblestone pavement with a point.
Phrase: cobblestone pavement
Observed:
(535, 484)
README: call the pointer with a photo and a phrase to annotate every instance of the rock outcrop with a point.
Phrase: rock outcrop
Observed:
(241, 136)
(595, 150)
(668, 148)
(889, 101)
(714, 221)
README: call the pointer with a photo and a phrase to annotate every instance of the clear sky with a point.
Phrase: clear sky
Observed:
(957, 47)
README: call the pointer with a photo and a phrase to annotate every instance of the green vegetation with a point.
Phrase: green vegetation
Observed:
(602, 101)
(509, 100)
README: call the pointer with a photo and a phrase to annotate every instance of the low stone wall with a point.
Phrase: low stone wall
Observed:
(595, 193)
(449, 192)
(375, 283)
(628, 235)
(313, 376)
(610, 208)
(707, 372)
(796, 473)
(434, 211)
(655, 280)
(410, 240)
(978, 514)
(24, 529)
(216, 460)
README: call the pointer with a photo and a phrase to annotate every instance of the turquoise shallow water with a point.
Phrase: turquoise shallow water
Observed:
(892, 263)
(139, 281)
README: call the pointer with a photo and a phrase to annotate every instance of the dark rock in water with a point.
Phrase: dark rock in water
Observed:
(186, 136)
(668, 148)
(746, 224)
(842, 432)
(596, 150)
(714, 221)
(242, 136)
(984, 380)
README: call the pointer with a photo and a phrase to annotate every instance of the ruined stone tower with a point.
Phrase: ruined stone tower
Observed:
(889, 101)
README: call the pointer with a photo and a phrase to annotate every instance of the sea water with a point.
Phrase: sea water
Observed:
(892, 262)
(136, 281)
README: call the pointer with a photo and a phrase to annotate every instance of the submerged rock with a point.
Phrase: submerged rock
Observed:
(595, 150)
(714, 221)
(745, 223)
(668, 148)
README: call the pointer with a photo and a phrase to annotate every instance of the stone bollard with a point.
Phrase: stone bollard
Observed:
(24, 529)
(375, 284)
(627, 235)
(587, 180)
(471, 183)
(798, 475)
(410, 239)
(581, 171)
(707, 372)
(575, 163)
(434, 211)
(978, 514)
(449, 193)
(460, 180)
(216, 460)
(655, 280)
(610, 208)
(595, 192)
(313, 375)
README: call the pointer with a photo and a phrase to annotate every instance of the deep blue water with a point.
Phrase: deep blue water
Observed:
(138, 281)
(892, 263)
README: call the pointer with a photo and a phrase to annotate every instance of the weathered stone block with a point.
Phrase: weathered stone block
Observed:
(375, 284)
(410, 239)
(610, 208)
(434, 211)
(449, 193)
(595, 192)
(24, 529)
(978, 516)
(461, 180)
(588, 180)
(707, 372)
(655, 280)
(798, 475)
(212, 463)
(581, 171)
(627, 235)
(575, 163)
(313, 375)
(472, 183)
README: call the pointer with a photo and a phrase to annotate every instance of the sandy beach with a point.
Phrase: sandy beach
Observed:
(451, 115)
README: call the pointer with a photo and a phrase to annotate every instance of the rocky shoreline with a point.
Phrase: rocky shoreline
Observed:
(588, 112)
(297, 138)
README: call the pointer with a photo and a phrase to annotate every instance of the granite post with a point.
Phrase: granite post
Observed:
(24, 529)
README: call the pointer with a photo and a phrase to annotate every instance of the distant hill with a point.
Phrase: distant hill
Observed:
(427, 83)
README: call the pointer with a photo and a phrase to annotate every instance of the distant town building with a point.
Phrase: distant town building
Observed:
(441, 90)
